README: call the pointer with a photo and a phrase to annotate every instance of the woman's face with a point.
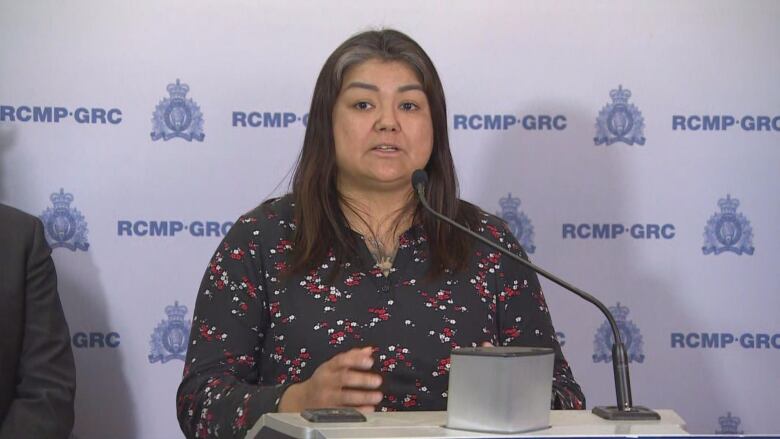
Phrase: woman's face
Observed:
(382, 127)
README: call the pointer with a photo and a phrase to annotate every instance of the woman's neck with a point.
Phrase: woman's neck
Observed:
(376, 211)
(381, 217)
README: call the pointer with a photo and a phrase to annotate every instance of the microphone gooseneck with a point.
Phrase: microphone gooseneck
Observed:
(624, 409)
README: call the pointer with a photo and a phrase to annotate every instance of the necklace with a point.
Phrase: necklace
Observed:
(385, 264)
(384, 259)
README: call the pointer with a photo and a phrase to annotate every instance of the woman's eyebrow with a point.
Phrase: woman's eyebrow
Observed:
(409, 87)
(372, 87)
(364, 85)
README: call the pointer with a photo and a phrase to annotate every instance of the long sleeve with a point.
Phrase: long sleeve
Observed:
(220, 394)
(524, 319)
(46, 376)
(256, 331)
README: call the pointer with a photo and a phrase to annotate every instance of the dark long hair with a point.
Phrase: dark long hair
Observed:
(321, 225)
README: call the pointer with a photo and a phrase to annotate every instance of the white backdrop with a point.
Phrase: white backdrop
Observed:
(504, 59)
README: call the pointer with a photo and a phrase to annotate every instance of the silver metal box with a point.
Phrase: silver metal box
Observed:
(500, 389)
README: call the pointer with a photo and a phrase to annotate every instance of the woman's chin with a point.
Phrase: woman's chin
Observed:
(382, 179)
(386, 183)
(395, 179)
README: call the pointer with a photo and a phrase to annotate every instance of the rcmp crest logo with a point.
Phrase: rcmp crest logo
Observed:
(728, 231)
(620, 121)
(64, 225)
(729, 425)
(629, 332)
(170, 337)
(517, 221)
(177, 116)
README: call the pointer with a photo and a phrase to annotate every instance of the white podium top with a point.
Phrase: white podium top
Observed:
(431, 425)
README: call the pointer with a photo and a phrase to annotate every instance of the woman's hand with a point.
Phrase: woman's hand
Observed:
(343, 381)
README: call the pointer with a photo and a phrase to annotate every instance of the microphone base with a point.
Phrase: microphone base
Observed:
(636, 413)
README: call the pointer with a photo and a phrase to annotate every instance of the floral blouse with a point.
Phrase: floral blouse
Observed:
(255, 332)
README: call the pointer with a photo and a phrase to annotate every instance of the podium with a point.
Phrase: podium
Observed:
(429, 425)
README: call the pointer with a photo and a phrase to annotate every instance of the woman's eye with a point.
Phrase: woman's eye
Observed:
(363, 105)
(409, 106)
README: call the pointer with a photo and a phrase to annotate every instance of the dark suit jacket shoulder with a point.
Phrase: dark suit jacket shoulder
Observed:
(37, 372)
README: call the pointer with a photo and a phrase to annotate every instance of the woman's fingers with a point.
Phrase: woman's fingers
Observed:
(344, 380)
(356, 386)
(360, 398)
(354, 379)
(354, 359)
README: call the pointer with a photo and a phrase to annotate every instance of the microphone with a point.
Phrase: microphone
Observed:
(419, 182)
(625, 410)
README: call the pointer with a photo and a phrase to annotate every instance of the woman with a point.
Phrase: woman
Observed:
(344, 293)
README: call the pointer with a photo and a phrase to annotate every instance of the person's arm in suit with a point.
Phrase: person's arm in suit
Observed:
(46, 374)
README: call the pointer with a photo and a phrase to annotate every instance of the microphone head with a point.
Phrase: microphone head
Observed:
(419, 178)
